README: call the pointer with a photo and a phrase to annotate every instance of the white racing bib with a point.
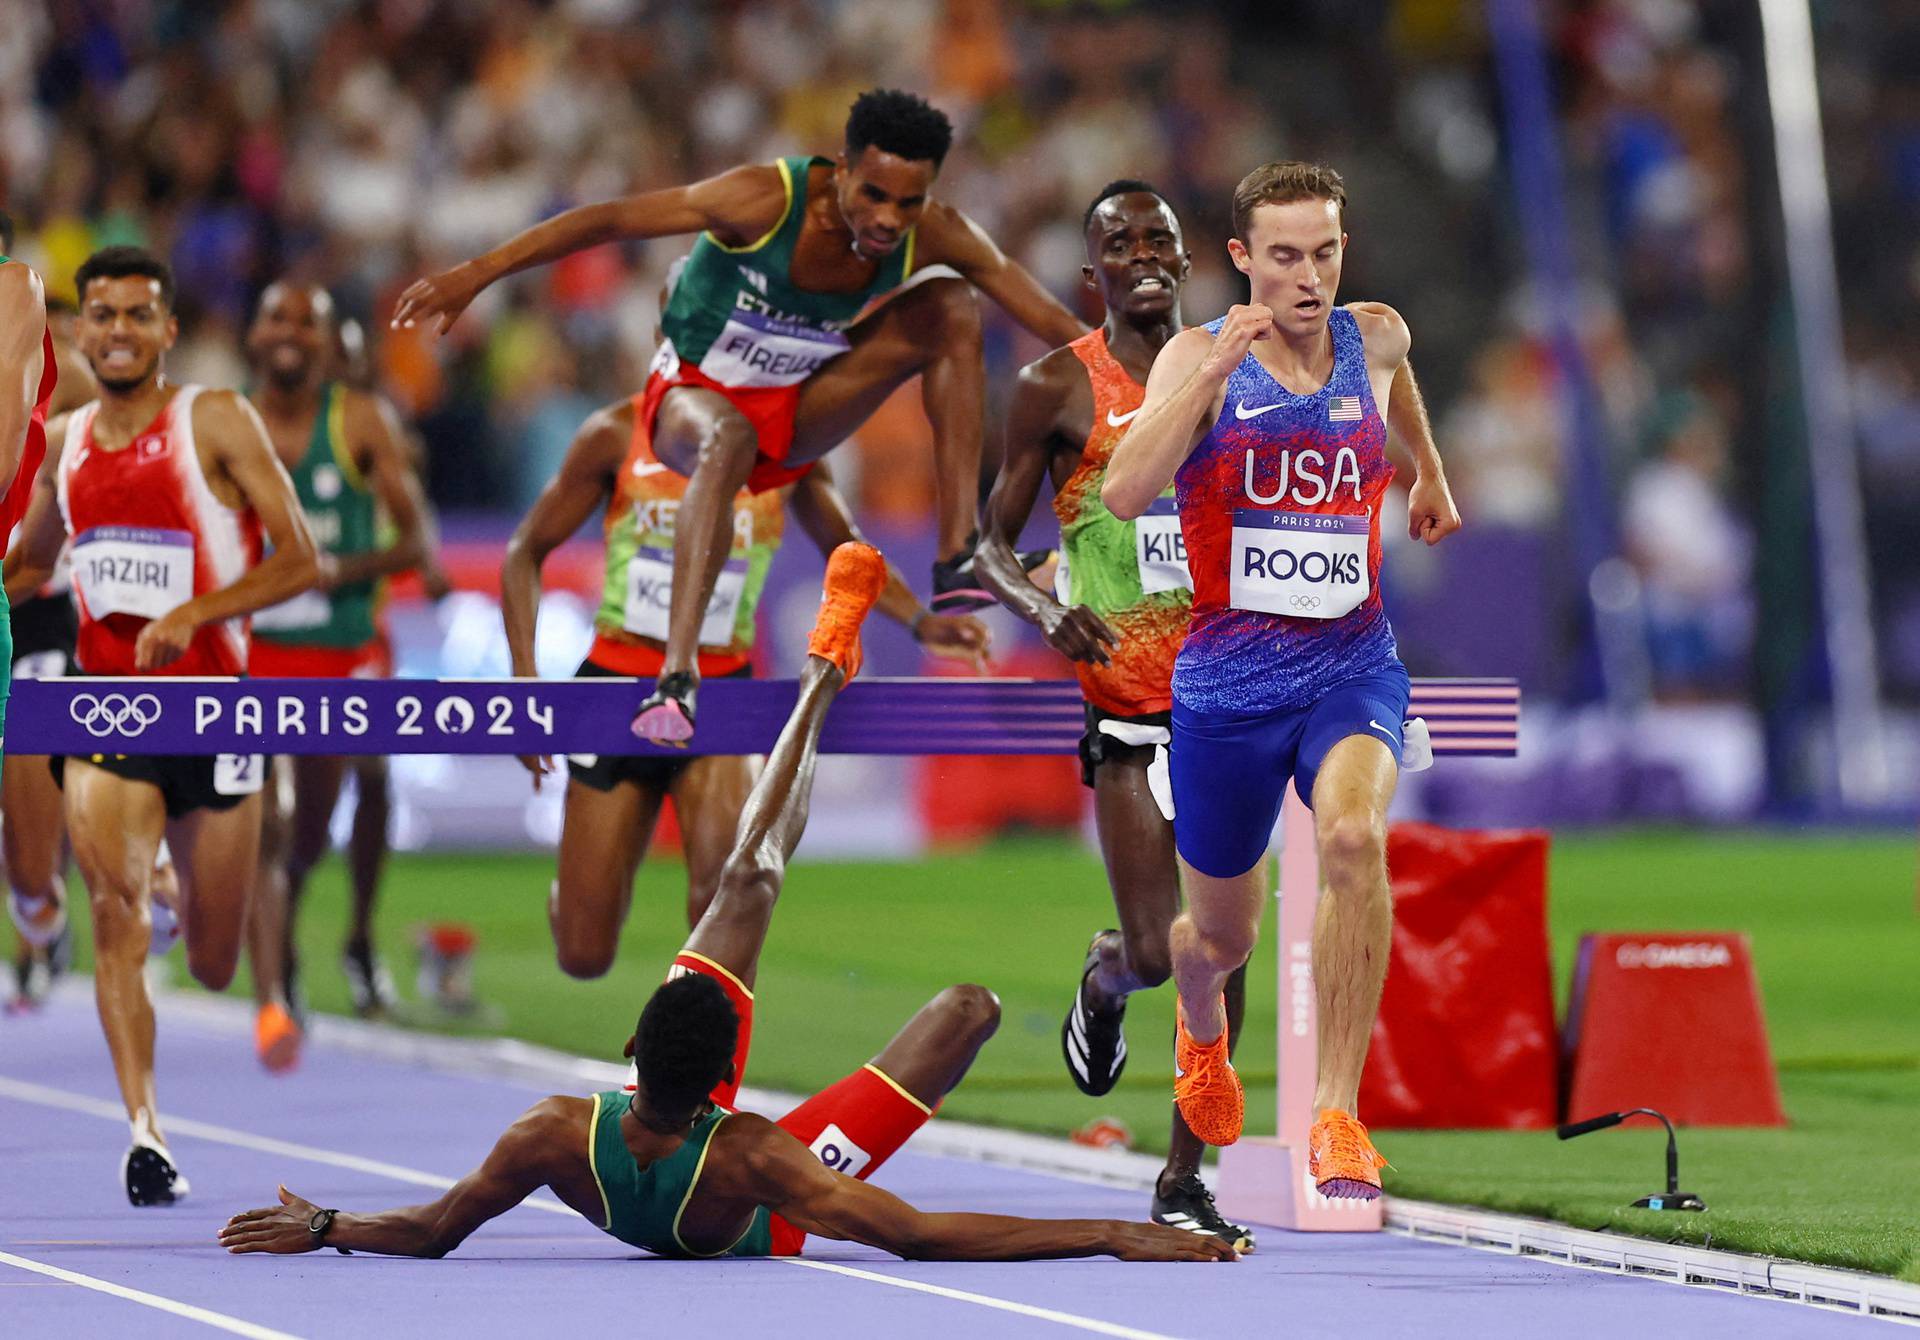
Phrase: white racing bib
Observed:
(758, 349)
(650, 597)
(238, 774)
(133, 570)
(309, 609)
(1306, 565)
(1160, 549)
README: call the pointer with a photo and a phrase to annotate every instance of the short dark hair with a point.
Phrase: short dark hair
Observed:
(124, 263)
(6, 233)
(1124, 186)
(898, 123)
(683, 1045)
(1282, 184)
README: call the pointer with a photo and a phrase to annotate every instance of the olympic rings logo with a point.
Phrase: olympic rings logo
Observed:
(115, 712)
(1304, 602)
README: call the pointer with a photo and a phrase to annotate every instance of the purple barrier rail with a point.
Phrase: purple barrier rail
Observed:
(151, 715)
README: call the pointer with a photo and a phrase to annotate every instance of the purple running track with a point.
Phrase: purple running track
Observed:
(534, 1273)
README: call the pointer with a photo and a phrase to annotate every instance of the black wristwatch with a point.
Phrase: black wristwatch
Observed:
(318, 1225)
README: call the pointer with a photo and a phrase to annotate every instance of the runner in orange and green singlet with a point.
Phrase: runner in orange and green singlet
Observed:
(1121, 612)
(613, 801)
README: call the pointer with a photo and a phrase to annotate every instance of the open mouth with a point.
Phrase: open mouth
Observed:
(1149, 284)
(118, 358)
(1309, 306)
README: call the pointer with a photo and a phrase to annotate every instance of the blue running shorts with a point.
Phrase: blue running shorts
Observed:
(1230, 770)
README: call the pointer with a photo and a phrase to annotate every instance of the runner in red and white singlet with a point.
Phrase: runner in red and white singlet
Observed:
(167, 493)
(149, 535)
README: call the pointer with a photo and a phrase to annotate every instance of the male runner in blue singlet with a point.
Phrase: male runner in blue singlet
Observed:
(1269, 423)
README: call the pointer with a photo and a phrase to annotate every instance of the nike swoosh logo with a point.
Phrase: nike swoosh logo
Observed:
(1240, 410)
(1384, 731)
(641, 469)
(1116, 420)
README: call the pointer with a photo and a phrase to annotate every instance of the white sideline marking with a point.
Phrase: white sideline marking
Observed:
(46, 1096)
(217, 1320)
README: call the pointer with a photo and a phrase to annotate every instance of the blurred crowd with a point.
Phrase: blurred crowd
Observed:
(359, 143)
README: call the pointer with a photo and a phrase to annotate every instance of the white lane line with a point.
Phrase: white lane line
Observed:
(206, 1316)
(29, 1092)
(1072, 1319)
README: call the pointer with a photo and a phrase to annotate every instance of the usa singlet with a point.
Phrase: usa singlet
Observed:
(1280, 503)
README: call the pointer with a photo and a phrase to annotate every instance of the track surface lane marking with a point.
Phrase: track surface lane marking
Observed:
(218, 1320)
(48, 1096)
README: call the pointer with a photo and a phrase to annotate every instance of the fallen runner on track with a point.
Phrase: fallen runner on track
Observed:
(667, 1166)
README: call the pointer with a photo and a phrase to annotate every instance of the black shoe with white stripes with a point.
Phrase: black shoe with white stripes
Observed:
(1092, 1040)
(1190, 1206)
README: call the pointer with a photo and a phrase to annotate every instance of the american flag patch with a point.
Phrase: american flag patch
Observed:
(1343, 409)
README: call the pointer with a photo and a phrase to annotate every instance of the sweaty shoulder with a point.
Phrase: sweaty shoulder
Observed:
(23, 301)
(755, 1156)
(1385, 331)
(222, 416)
(19, 283)
(946, 236)
(611, 422)
(554, 1115)
(1044, 395)
(743, 203)
(552, 1131)
(1053, 375)
(1177, 359)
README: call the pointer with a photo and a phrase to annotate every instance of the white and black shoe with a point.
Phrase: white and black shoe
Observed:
(149, 1173)
(368, 982)
(1190, 1206)
(1093, 1040)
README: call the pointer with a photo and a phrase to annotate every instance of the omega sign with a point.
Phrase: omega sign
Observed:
(1697, 955)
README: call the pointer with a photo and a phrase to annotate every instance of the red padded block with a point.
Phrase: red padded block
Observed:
(1670, 1021)
(1465, 1035)
(967, 798)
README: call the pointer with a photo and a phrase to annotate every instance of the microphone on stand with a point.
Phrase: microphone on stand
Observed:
(1673, 1198)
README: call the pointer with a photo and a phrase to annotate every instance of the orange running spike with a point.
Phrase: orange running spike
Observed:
(276, 1038)
(1341, 1158)
(1206, 1087)
(856, 575)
